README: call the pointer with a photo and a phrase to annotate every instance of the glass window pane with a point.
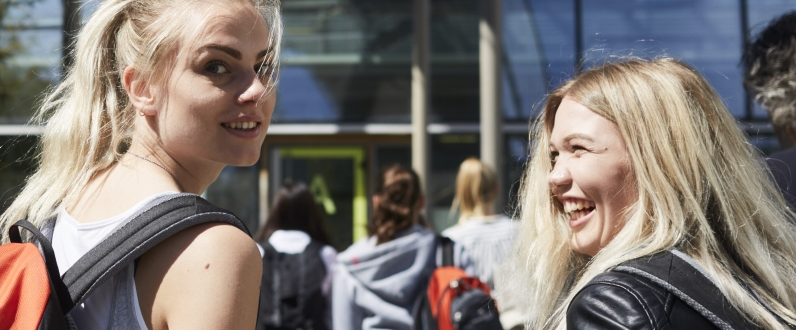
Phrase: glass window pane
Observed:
(539, 46)
(30, 53)
(345, 61)
(16, 164)
(704, 33)
(237, 189)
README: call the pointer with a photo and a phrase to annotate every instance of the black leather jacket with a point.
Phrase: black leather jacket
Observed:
(617, 300)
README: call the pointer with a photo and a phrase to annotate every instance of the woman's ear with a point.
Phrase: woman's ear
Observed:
(139, 92)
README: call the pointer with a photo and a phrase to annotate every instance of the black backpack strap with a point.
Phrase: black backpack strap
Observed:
(674, 271)
(56, 284)
(168, 216)
(445, 245)
(271, 264)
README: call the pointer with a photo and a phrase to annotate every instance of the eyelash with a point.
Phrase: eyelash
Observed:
(216, 64)
(264, 70)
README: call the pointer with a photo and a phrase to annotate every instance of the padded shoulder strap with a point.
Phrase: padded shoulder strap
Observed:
(165, 218)
(675, 272)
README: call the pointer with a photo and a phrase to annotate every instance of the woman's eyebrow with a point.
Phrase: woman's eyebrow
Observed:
(578, 136)
(232, 51)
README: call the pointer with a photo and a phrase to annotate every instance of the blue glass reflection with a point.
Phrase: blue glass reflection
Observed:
(704, 33)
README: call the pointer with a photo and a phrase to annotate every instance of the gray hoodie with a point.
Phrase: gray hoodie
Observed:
(375, 287)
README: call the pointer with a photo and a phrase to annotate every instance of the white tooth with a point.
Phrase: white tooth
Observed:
(580, 205)
(252, 124)
(238, 125)
(246, 125)
(568, 207)
(249, 125)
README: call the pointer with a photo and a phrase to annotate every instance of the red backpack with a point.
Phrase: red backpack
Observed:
(28, 284)
(25, 295)
(454, 300)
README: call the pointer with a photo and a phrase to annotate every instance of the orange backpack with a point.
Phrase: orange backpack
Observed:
(455, 300)
(26, 283)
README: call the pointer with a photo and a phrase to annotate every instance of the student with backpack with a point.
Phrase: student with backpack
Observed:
(298, 263)
(378, 280)
(486, 235)
(162, 95)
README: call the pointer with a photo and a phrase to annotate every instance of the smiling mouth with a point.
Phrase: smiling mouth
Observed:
(242, 126)
(578, 209)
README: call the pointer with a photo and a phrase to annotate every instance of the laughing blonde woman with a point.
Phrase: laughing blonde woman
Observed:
(639, 161)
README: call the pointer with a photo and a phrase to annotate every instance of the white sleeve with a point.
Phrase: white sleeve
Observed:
(329, 257)
(345, 314)
(462, 260)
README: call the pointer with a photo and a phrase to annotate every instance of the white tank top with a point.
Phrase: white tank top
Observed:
(114, 304)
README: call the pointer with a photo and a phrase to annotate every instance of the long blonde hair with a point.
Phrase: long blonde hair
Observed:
(89, 121)
(476, 189)
(701, 189)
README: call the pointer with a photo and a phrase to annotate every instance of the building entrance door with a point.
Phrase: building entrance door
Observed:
(336, 177)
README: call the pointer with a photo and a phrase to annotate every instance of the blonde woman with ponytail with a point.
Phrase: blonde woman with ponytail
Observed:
(632, 161)
(486, 234)
(162, 95)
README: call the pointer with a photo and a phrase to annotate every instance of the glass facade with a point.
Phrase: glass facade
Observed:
(348, 62)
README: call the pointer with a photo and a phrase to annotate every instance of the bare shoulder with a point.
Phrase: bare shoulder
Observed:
(225, 243)
(206, 276)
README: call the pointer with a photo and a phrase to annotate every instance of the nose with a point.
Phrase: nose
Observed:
(254, 91)
(559, 177)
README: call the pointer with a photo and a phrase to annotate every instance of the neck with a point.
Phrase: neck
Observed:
(192, 177)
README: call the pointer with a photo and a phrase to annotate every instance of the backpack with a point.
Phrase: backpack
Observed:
(34, 296)
(678, 274)
(291, 291)
(453, 299)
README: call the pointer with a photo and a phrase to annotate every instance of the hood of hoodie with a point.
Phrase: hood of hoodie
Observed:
(396, 270)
